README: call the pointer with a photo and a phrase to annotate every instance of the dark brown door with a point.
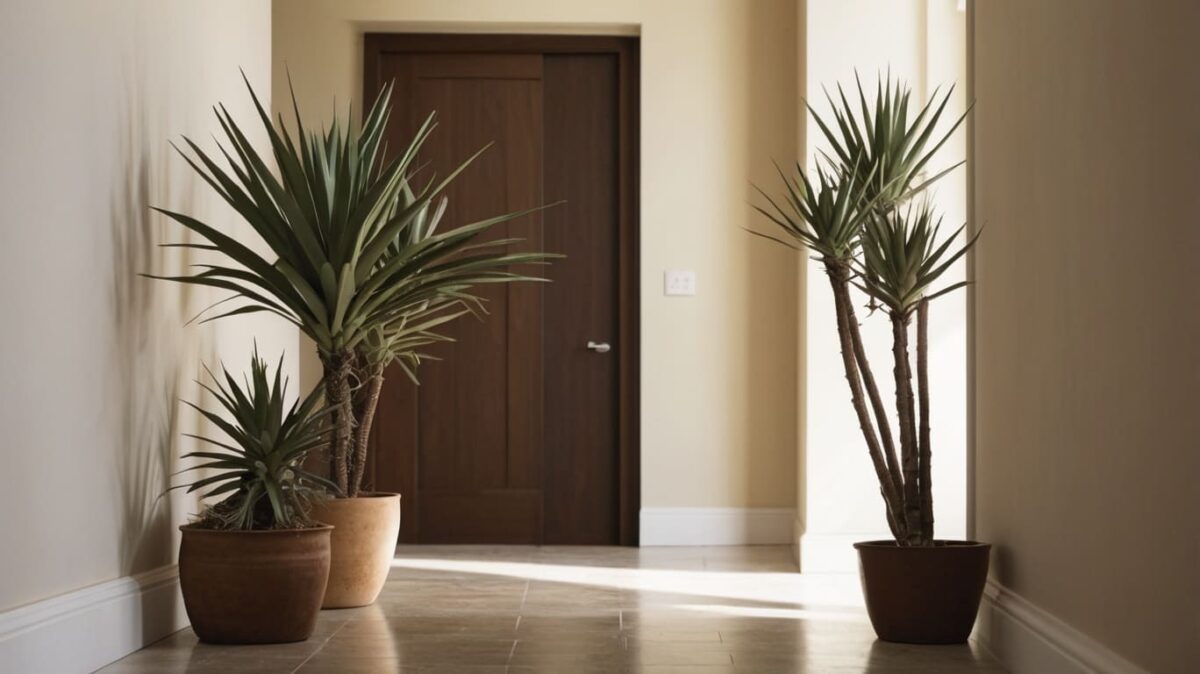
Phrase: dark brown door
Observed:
(515, 435)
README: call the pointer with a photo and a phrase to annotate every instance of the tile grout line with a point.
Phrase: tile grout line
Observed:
(321, 647)
(517, 626)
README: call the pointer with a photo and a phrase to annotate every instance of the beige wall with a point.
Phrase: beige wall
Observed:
(719, 86)
(1087, 156)
(92, 357)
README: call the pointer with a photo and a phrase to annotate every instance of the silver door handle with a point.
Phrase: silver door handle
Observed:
(599, 347)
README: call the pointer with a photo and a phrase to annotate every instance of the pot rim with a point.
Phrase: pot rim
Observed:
(365, 495)
(193, 527)
(939, 544)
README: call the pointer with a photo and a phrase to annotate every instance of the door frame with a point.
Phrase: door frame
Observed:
(628, 347)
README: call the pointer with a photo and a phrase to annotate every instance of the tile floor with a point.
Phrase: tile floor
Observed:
(484, 609)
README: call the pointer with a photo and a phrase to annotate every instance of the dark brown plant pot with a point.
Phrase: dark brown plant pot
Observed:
(366, 529)
(921, 595)
(253, 587)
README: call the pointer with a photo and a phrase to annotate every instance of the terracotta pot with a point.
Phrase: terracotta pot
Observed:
(923, 595)
(364, 542)
(253, 587)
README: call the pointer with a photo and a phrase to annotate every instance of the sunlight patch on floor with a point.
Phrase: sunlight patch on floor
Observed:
(825, 614)
(805, 592)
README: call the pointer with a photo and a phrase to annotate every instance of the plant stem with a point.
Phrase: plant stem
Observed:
(338, 368)
(925, 455)
(908, 434)
(880, 410)
(839, 279)
(357, 395)
(366, 415)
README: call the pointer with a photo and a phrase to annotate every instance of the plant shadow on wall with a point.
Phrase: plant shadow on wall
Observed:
(863, 217)
(148, 347)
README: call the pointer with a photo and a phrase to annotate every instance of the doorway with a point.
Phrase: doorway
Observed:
(526, 430)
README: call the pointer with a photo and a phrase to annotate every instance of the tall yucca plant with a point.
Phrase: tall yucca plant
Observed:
(357, 262)
(856, 222)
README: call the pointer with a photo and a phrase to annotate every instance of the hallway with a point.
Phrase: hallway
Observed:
(786, 298)
(555, 609)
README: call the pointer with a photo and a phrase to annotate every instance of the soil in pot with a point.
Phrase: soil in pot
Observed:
(253, 587)
(925, 595)
(364, 542)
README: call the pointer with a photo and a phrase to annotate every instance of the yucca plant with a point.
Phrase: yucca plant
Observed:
(856, 221)
(357, 262)
(258, 468)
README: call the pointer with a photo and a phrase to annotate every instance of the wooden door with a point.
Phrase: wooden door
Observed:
(516, 434)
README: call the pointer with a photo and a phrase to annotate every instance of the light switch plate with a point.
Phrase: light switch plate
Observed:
(679, 282)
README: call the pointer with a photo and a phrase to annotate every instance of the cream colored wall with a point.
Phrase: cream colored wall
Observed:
(1087, 155)
(92, 357)
(801, 347)
(921, 42)
(718, 102)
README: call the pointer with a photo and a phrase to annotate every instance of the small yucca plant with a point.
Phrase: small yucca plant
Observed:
(259, 468)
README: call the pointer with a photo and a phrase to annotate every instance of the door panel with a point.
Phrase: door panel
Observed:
(513, 436)
(477, 457)
(581, 496)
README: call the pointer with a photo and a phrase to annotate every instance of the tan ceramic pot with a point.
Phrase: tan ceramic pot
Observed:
(253, 587)
(364, 542)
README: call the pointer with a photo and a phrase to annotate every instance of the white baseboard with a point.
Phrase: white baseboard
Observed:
(84, 630)
(1028, 640)
(832, 553)
(716, 526)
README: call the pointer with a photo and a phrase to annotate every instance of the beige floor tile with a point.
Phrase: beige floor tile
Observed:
(570, 643)
(609, 622)
(636, 636)
(343, 666)
(135, 664)
(570, 662)
(576, 668)
(683, 669)
(683, 656)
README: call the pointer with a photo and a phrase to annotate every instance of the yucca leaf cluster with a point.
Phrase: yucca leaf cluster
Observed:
(357, 260)
(349, 255)
(258, 467)
(904, 254)
(881, 149)
(867, 218)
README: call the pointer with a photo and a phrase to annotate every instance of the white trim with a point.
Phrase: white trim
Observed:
(797, 536)
(833, 553)
(716, 526)
(506, 27)
(1026, 638)
(84, 630)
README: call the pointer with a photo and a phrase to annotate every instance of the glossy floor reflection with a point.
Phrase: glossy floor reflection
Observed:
(476, 609)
